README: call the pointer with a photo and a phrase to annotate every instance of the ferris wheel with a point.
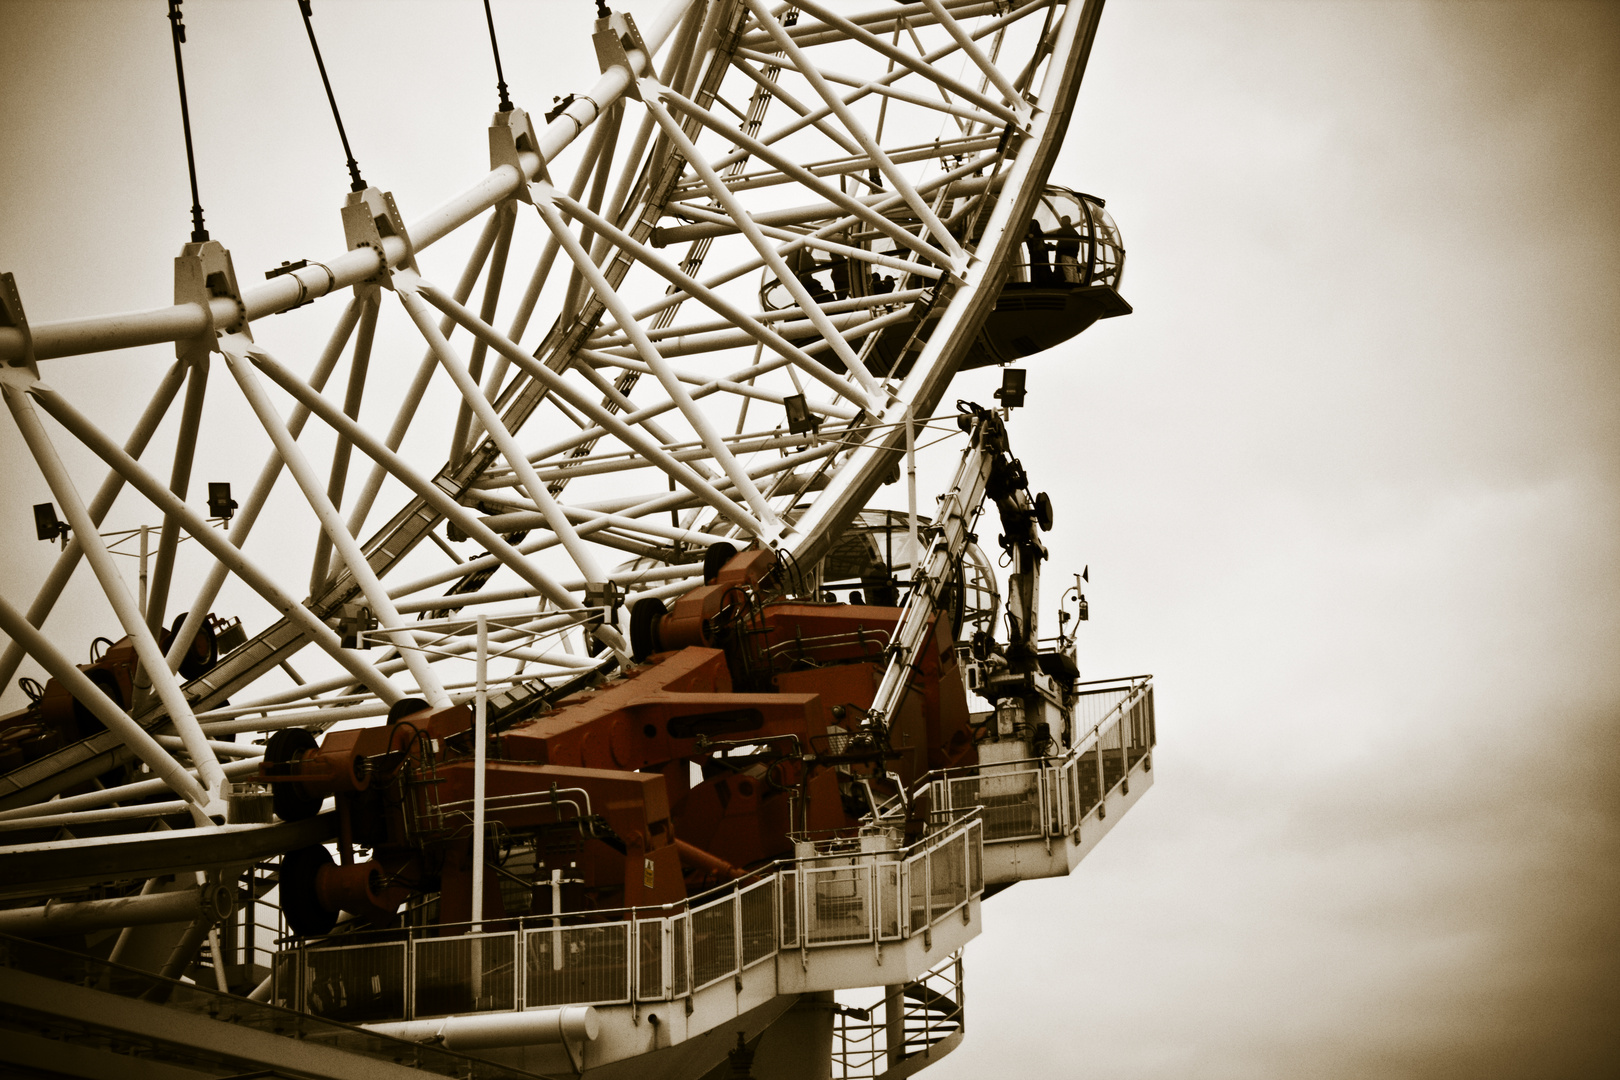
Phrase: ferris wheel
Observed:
(771, 237)
(711, 304)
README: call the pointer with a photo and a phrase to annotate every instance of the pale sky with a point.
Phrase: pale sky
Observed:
(1346, 482)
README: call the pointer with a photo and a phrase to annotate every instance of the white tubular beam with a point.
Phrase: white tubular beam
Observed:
(87, 817)
(932, 58)
(715, 302)
(488, 1031)
(122, 793)
(635, 507)
(891, 171)
(68, 560)
(804, 176)
(107, 332)
(455, 601)
(608, 422)
(820, 123)
(971, 47)
(216, 543)
(349, 551)
(185, 450)
(792, 241)
(424, 372)
(170, 773)
(248, 512)
(767, 251)
(526, 519)
(407, 287)
(150, 909)
(945, 106)
(700, 422)
(220, 748)
(500, 552)
(608, 337)
(615, 398)
(507, 213)
(921, 67)
(359, 363)
(112, 583)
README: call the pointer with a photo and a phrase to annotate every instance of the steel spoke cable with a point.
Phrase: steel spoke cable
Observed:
(355, 181)
(177, 31)
(494, 47)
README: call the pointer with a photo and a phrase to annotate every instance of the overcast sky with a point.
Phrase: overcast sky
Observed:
(1346, 482)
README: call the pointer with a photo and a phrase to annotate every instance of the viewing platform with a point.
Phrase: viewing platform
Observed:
(843, 914)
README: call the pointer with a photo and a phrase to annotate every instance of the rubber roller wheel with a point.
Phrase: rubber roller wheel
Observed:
(300, 901)
(289, 800)
(715, 559)
(203, 653)
(644, 617)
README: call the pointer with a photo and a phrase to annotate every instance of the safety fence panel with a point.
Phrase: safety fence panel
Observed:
(947, 877)
(1091, 707)
(284, 978)
(975, 852)
(758, 907)
(1083, 779)
(838, 902)
(714, 942)
(917, 891)
(577, 965)
(652, 982)
(356, 983)
(790, 908)
(888, 900)
(475, 973)
(1011, 802)
(680, 963)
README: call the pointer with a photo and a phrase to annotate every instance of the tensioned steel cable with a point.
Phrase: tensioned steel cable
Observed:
(178, 32)
(500, 80)
(355, 182)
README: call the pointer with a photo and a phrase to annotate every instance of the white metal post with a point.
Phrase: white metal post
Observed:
(480, 719)
(911, 492)
(145, 530)
(556, 918)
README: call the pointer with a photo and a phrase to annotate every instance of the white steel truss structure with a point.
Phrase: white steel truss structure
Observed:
(742, 224)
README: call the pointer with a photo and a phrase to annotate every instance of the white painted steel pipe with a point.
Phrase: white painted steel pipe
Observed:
(489, 1031)
(122, 793)
(218, 545)
(68, 561)
(213, 903)
(107, 332)
(348, 549)
(116, 592)
(170, 771)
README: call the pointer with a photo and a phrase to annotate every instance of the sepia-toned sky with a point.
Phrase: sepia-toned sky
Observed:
(1347, 482)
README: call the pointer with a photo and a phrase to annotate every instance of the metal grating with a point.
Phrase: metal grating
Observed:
(714, 942)
(581, 965)
(758, 922)
(650, 960)
(838, 898)
(357, 984)
(465, 974)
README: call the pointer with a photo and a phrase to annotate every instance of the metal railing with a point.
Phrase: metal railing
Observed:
(1046, 797)
(830, 896)
(908, 1020)
(208, 1004)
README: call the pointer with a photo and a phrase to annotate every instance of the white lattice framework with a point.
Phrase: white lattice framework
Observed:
(623, 401)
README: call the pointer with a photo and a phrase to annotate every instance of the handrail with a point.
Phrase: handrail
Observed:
(959, 824)
(1109, 720)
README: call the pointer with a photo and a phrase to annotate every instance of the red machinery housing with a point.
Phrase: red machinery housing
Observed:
(739, 727)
